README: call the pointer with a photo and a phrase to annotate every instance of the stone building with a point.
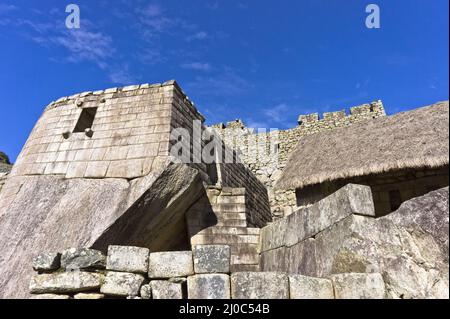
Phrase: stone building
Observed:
(400, 157)
(97, 170)
(266, 153)
(103, 173)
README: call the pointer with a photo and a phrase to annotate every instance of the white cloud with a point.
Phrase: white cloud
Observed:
(201, 35)
(198, 66)
(152, 10)
(84, 45)
(277, 113)
(121, 75)
(6, 8)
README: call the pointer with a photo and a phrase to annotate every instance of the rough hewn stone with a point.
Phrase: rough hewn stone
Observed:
(209, 286)
(82, 258)
(127, 259)
(89, 296)
(170, 264)
(303, 287)
(307, 222)
(122, 284)
(65, 282)
(211, 259)
(47, 262)
(50, 296)
(162, 289)
(146, 292)
(259, 285)
(50, 213)
(358, 286)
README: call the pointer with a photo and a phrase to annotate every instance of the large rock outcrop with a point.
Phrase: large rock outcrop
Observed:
(51, 212)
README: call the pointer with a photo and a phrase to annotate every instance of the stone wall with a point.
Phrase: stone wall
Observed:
(221, 218)
(389, 190)
(340, 234)
(128, 138)
(267, 160)
(203, 273)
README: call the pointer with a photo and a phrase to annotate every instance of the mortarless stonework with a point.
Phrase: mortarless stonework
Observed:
(114, 189)
(118, 176)
(268, 163)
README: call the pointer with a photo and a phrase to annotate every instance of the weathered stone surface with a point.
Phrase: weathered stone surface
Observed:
(412, 215)
(82, 258)
(211, 259)
(170, 264)
(358, 286)
(302, 258)
(275, 260)
(50, 213)
(47, 262)
(65, 282)
(50, 296)
(146, 292)
(89, 296)
(410, 258)
(122, 284)
(273, 236)
(303, 287)
(259, 285)
(128, 259)
(307, 222)
(162, 289)
(209, 286)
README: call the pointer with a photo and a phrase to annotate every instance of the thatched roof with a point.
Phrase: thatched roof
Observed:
(413, 139)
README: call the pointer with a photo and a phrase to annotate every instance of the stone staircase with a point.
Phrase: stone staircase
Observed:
(220, 219)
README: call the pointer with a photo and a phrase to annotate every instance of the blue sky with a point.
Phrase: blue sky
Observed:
(263, 61)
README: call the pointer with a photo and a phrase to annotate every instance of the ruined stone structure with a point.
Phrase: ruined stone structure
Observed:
(266, 154)
(103, 173)
(5, 168)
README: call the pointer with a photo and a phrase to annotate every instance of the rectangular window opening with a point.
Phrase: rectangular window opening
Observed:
(86, 119)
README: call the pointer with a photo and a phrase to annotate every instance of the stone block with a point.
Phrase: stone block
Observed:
(82, 258)
(273, 235)
(47, 262)
(96, 169)
(122, 284)
(170, 264)
(211, 259)
(127, 259)
(65, 282)
(275, 260)
(309, 221)
(209, 286)
(303, 287)
(358, 286)
(302, 258)
(146, 292)
(50, 296)
(259, 285)
(162, 289)
(89, 296)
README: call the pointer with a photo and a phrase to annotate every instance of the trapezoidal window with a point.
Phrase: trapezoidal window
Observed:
(86, 119)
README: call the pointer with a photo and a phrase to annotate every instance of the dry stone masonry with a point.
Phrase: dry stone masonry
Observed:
(268, 161)
(97, 174)
(203, 273)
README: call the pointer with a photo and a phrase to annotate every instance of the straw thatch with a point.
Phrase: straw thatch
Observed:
(414, 139)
